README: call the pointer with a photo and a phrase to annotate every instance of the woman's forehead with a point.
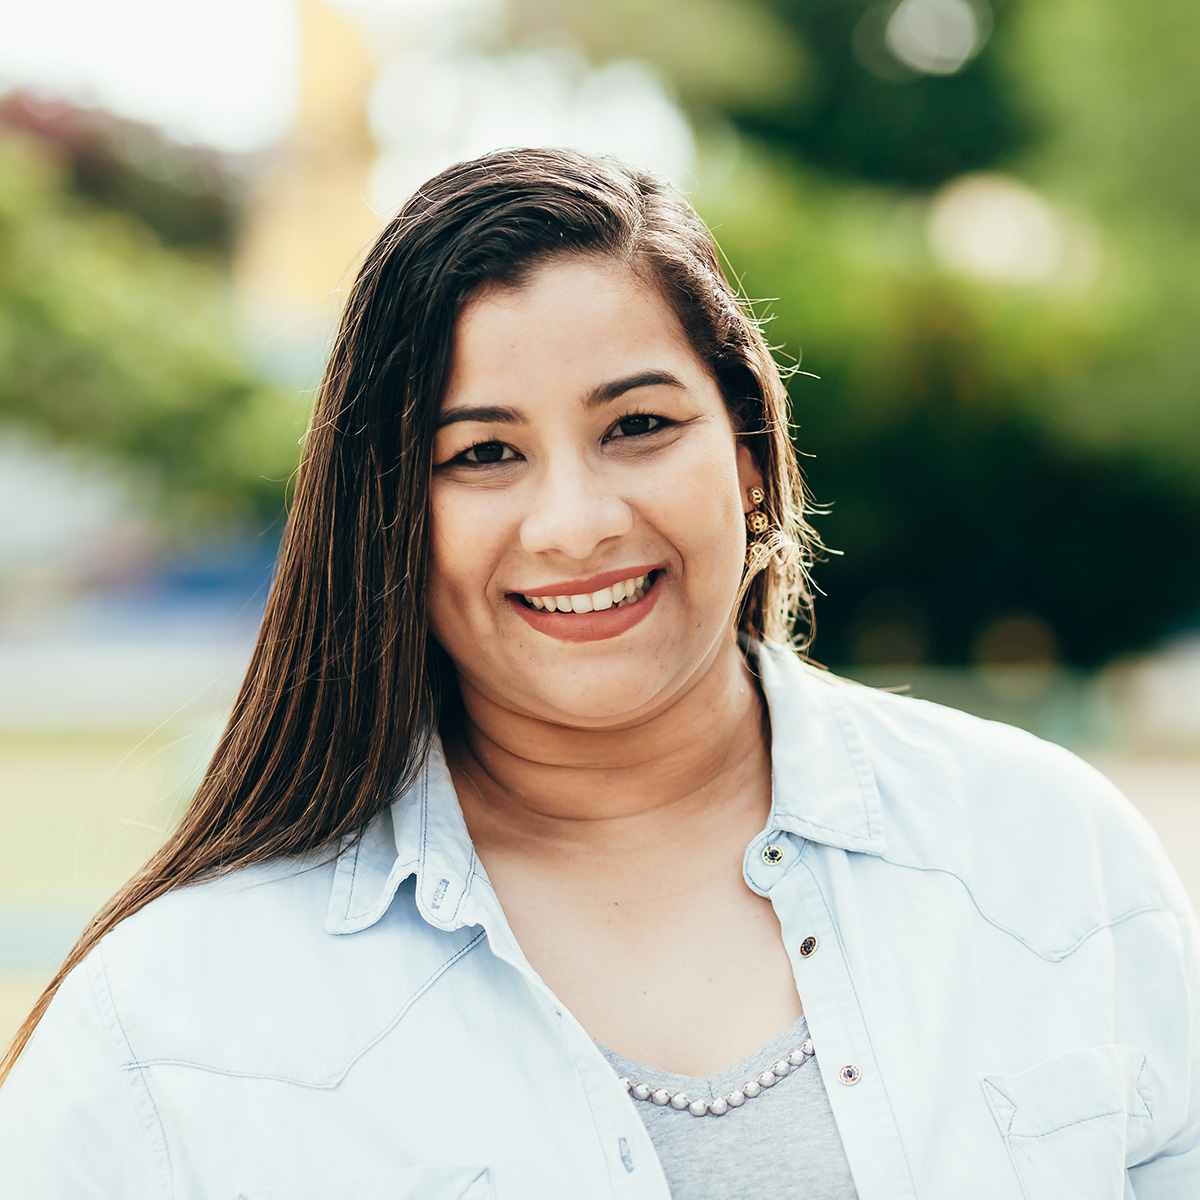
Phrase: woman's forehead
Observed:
(585, 319)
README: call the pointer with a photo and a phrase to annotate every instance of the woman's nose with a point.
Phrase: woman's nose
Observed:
(572, 512)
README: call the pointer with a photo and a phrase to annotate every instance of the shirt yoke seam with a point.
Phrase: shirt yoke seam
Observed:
(335, 1080)
(1047, 956)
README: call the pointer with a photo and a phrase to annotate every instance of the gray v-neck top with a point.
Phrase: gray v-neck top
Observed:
(783, 1143)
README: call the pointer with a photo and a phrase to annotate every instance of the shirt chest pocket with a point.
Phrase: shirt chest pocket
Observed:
(1073, 1122)
(411, 1183)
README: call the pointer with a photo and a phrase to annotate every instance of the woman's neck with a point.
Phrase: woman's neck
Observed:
(529, 786)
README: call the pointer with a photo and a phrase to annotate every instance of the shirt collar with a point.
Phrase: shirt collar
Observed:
(824, 790)
(823, 785)
(421, 833)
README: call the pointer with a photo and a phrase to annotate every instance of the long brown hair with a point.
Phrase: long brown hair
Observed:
(345, 685)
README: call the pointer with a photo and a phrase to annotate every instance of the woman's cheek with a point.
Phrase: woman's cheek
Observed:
(469, 531)
(451, 546)
(705, 505)
(718, 543)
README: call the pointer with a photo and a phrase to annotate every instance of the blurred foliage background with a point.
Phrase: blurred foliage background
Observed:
(115, 311)
(1005, 430)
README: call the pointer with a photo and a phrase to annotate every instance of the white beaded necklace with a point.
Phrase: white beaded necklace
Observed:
(720, 1105)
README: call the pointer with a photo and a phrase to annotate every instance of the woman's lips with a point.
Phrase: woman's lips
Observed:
(591, 626)
(582, 588)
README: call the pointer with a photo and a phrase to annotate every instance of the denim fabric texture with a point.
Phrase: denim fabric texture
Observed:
(1004, 990)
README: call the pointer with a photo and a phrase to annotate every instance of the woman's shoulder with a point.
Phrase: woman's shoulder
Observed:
(1041, 840)
(920, 745)
(1046, 844)
(177, 974)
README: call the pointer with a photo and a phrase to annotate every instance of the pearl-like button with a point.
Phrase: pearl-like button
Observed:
(680, 1100)
(626, 1083)
(736, 1098)
(808, 946)
(720, 1106)
(772, 854)
(782, 1068)
(850, 1074)
(698, 1108)
(750, 1089)
(640, 1091)
(662, 1096)
(796, 1057)
(806, 1048)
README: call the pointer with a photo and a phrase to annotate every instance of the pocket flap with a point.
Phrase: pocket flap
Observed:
(1080, 1085)
(411, 1183)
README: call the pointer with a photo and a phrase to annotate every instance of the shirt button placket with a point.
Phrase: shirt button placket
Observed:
(864, 1114)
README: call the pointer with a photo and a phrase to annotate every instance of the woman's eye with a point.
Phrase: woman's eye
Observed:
(486, 452)
(637, 423)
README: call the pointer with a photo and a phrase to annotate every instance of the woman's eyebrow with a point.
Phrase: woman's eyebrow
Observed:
(610, 391)
(486, 412)
(602, 394)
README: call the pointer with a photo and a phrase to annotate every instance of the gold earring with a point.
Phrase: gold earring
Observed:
(758, 523)
(757, 520)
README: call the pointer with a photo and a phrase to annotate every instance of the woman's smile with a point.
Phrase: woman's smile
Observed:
(574, 612)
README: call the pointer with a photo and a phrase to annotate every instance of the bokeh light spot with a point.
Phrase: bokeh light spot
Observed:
(429, 110)
(937, 37)
(996, 228)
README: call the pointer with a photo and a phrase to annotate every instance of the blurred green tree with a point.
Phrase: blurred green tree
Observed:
(184, 193)
(865, 114)
(112, 339)
(934, 429)
(813, 79)
(1117, 87)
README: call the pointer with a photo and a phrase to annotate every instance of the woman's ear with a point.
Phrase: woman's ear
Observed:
(749, 474)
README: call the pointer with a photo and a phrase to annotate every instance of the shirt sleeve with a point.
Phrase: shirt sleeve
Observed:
(75, 1121)
(1173, 1173)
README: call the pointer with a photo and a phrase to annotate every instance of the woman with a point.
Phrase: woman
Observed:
(533, 862)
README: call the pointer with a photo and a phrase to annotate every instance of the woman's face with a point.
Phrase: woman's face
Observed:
(588, 495)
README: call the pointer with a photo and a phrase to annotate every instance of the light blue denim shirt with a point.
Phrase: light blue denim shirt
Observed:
(1002, 988)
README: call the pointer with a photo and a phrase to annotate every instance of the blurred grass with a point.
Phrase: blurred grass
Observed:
(79, 812)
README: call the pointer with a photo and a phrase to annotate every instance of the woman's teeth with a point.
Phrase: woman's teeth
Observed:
(625, 592)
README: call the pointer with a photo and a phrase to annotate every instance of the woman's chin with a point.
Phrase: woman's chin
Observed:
(609, 696)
